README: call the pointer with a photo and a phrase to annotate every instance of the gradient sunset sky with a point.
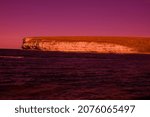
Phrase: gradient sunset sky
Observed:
(26, 18)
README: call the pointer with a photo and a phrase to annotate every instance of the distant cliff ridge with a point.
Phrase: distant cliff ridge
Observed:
(88, 44)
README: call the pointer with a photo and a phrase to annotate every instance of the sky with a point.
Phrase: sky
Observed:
(27, 18)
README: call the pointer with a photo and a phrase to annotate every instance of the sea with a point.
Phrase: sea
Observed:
(42, 75)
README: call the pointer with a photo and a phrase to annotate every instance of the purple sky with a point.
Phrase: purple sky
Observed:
(23, 18)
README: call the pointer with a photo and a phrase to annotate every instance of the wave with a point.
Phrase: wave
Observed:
(16, 57)
(77, 47)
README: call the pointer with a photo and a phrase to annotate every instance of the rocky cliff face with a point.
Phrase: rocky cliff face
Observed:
(74, 46)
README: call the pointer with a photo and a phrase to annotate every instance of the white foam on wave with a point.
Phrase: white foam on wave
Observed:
(78, 47)
(16, 57)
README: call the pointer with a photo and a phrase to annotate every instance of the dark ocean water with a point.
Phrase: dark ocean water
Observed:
(55, 75)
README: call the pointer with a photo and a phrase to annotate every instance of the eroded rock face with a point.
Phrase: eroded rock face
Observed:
(75, 46)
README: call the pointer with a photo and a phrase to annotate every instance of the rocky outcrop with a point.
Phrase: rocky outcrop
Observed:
(75, 46)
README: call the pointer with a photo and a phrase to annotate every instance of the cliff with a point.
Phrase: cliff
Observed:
(88, 44)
